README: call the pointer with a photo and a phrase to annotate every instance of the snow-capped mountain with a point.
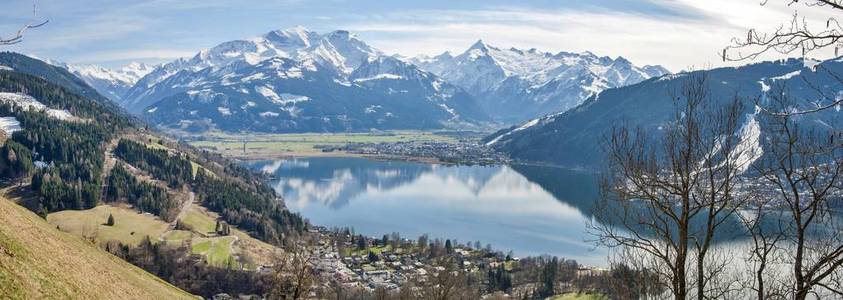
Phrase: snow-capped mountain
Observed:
(575, 138)
(112, 83)
(514, 85)
(299, 80)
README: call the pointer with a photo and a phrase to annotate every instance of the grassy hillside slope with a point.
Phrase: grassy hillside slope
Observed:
(37, 262)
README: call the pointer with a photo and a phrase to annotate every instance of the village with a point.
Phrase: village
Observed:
(391, 262)
(463, 152)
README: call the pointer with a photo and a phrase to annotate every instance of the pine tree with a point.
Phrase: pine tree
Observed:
(110, 221)
(361, 242)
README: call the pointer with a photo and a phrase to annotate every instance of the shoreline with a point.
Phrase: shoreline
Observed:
(384, 157)
(252, 157)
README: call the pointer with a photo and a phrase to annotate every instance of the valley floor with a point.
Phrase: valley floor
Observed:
(437, 147)
(267, 146)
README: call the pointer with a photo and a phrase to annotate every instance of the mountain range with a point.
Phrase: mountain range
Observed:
(297, 80)
(112, 83)
(574, 138)
(515, 85)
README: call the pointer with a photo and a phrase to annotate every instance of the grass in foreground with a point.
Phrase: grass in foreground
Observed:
(37, 262)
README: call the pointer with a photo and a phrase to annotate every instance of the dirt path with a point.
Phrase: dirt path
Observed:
(110, 162)
(183, 210)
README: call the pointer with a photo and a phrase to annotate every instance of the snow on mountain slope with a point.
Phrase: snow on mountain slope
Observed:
(297, 80)
(112, 83)
(339, 51)
(514, 85)
(574, 138)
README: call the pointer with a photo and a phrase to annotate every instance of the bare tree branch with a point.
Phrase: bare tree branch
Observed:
(18, 37)
(796, 35)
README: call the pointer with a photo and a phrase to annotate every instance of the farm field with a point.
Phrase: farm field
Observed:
(257, 145)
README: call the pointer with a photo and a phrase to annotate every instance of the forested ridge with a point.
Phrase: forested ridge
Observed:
(245, 202)
(72, 150)
(64, 160)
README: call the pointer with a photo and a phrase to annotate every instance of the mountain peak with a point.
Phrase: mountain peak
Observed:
(294, 37)
(655, 70)
(622, 60)
(444, 55)
(298, 30)
(518, 84)
(479, 45)
(588, 53)
(341, 34)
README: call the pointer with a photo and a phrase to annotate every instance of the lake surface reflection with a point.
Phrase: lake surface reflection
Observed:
(529, 210)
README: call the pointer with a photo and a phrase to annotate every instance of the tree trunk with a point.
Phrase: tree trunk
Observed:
(759, 276)
(701, 276)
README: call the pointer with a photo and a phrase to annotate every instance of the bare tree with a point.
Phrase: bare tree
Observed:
(445, 283)
(294, 273)
(666, 201)
(764, 241)
(18, 36)
(802, 171)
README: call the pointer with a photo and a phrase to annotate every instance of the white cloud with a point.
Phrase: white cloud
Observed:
(676, 42)
(685, 33)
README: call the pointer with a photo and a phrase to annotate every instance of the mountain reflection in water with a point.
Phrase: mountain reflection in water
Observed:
(529, 210)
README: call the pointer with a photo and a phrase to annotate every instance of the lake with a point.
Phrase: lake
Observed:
(525, 209)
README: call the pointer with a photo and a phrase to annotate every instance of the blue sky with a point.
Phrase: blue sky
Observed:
(678, 34)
